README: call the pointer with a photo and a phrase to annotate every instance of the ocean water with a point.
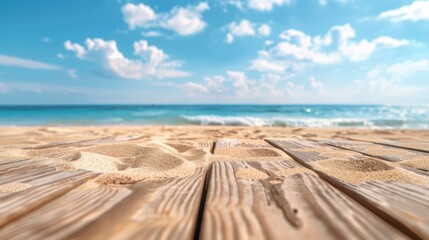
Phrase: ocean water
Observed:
(360, 116)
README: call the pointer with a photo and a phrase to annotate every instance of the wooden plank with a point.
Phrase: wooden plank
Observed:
(13, 164)
(149, 209)
(66, 214)
(406, 144)
(282, 200)
(398, 196)
(34, 177)
(40, 192)
(416, 161)
(156, 209)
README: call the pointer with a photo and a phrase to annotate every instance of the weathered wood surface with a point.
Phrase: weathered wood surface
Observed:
(42, 184)
(66, 214)
(404, 205)
(290, 203)
(56, 205)
(163, 209)
(399, 143)
(254, 191)
(416, 161)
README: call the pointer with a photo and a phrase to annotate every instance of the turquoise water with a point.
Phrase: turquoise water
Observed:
(363, 116)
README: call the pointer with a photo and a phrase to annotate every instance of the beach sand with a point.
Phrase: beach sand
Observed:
(125, 154)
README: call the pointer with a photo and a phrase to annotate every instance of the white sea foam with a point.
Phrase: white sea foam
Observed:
(293, 122)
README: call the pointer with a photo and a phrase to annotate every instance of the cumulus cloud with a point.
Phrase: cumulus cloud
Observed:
(264, 30)
(265, 5)
(263, 65)
(325, 2)
(239, 81)
(304, 47)
(258, 5)
(192, 88)
(246, 28)
(138, 15)
(220, 84)
(238, 85)
(408, 68)
(416, 11)
(384, 78)
(337, 45)
(152, 61)
(216, 83)
(182, 20)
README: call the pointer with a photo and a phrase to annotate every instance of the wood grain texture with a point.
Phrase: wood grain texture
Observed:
(405, 157)
(17, 163)
(65, 215)
(404, 205)
(284, 205)
(156, 209)
(42, 190)
(405, 144)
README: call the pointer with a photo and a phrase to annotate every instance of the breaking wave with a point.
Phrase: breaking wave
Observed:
(301, 122)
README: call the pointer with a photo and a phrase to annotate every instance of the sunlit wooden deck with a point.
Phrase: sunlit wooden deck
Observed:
(290, 197)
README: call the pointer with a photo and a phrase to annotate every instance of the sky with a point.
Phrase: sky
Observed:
(214, 52)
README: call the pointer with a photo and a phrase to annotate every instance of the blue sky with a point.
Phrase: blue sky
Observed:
(219, 51)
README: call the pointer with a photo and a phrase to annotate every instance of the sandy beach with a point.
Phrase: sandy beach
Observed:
(123, 154)
(212, 182)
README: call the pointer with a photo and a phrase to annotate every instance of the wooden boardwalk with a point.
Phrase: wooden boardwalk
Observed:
(313, 189)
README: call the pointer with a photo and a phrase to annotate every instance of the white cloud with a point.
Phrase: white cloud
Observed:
(315, 85)
(11, 61)
(26, 63)
(245, 28)
(335, 46)
(151, 34)
(263, 65)
(237, 85)
(151, 64)
(191, 88)
(215, 83)
(138, 15)
(186, 21)
(229, 38)
(264, 30)
(239, 81)
(416, 11)
(408, 68)
(265, 5)
(325, 2)
(182, 20)
(72, 73)
(151, 54)
(387, 77)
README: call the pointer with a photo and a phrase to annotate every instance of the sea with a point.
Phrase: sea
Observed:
(357, 116)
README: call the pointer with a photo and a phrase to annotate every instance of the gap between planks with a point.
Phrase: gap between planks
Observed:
(396, 223)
